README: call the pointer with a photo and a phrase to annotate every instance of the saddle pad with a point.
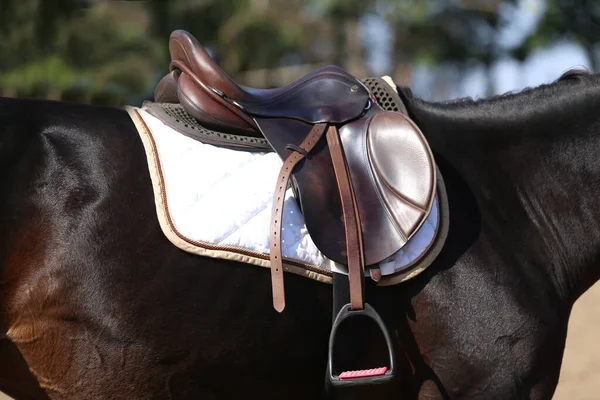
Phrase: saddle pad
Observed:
(215, 201)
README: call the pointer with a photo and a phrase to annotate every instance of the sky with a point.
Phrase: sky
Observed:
(442, 83)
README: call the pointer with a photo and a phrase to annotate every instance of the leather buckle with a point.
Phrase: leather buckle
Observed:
(372, 376)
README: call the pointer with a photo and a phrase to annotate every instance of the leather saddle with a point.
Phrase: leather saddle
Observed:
(365, 178)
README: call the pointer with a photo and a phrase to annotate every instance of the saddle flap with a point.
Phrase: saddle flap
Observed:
(403, 169)
(314, 183)
(393, 175)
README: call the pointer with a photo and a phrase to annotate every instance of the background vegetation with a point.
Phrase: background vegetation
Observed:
(114, 52)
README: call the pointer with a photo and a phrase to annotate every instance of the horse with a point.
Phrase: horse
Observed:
(97, 304)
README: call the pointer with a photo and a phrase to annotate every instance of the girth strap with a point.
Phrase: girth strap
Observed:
(285, 173)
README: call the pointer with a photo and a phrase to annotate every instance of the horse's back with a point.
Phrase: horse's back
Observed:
(101, 305)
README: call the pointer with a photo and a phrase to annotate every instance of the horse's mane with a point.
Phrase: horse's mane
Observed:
(574, 95)
(576, 78)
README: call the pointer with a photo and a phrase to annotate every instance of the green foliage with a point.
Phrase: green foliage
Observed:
(577, 20)
(114, 51)
(59, 49)
(431, 31)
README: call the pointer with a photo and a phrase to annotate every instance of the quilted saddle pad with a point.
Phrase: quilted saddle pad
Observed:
(215, 201)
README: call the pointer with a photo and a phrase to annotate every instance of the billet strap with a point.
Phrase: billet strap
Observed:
(285, 173)
(352, 226)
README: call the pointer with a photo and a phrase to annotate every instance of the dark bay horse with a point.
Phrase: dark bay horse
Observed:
(97, 304)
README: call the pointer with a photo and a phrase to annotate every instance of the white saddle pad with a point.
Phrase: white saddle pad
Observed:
(216, 202)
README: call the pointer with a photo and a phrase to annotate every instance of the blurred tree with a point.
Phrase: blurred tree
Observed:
(75, 50)
(577, 20)
(344, 17)
(241, 34)
(114, 51)
(434, 32)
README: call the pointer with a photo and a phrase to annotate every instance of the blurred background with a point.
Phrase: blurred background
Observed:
(114, 53)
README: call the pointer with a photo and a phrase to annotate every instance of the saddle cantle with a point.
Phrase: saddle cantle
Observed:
(364, 177)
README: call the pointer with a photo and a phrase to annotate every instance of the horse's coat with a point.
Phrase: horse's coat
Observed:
(100, 305)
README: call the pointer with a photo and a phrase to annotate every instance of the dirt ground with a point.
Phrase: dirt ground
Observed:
(580, 374)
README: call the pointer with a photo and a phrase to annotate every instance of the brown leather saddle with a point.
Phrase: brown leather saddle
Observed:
(365, 178)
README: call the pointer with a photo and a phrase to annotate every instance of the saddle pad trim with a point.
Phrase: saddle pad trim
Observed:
(206, 249)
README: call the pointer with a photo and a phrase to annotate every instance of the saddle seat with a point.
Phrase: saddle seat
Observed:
(185, 48)
(326, 94)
